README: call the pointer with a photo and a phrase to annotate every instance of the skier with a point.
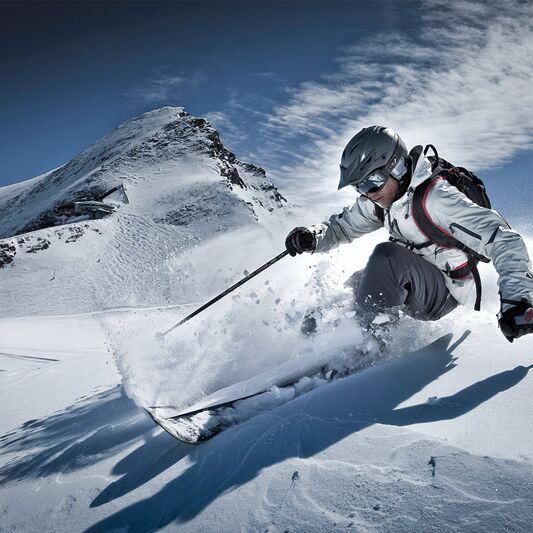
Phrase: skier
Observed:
(437, 236)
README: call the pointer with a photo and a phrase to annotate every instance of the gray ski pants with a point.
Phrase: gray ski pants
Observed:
(397, 278)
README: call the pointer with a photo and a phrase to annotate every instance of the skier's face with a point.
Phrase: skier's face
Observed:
(387, 194)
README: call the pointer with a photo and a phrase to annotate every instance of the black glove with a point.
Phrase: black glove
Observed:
(517, 320)
(300, 240)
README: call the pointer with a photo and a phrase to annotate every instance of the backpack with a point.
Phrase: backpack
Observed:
(473, 188)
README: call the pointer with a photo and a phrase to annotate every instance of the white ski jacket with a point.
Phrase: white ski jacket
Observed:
(483, 230)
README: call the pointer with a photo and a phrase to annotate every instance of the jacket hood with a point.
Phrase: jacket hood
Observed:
(420, 173)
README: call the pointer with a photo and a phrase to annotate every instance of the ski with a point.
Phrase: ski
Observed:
(227, 408)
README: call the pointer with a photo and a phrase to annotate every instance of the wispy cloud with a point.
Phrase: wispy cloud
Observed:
(463, 82)
(239, 121)
(163, 88)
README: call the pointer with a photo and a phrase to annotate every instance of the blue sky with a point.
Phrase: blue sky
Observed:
(285, 83)
(74, 70)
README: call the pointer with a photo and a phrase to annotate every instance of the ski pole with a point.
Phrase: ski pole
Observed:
(160, 335)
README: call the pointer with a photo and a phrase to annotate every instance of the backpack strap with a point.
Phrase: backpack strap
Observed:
(411, 245)
(422, 219)
(464, 270)
(439, 236)
(477, 280)
(426, 149)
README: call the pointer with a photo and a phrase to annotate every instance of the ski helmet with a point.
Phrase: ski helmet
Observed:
(375, 152)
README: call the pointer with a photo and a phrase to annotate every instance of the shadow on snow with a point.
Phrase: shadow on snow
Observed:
(90, 430)
(304, 428)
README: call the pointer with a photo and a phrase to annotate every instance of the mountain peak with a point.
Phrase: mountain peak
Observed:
(151, 153)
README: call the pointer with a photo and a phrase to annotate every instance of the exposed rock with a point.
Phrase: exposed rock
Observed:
(230, 172)
(7, 253)
(41, 244)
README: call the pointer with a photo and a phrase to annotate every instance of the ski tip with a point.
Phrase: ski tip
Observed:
(185, 429)
(159, 336)
(182, 429)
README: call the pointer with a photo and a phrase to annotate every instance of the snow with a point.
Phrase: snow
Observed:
(86, 457)
(434, 437)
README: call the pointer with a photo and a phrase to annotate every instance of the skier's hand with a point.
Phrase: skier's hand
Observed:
(300, 240)
(516, 321)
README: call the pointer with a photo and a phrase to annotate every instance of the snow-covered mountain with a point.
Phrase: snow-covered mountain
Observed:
(175, 186)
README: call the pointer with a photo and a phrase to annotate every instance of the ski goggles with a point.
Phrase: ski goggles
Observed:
(372, 183)
(375, 181)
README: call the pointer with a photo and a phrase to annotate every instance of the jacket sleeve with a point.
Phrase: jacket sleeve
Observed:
(487, 233)
(353, 222)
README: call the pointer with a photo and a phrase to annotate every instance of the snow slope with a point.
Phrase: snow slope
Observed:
(435, 438)
(352, 454)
